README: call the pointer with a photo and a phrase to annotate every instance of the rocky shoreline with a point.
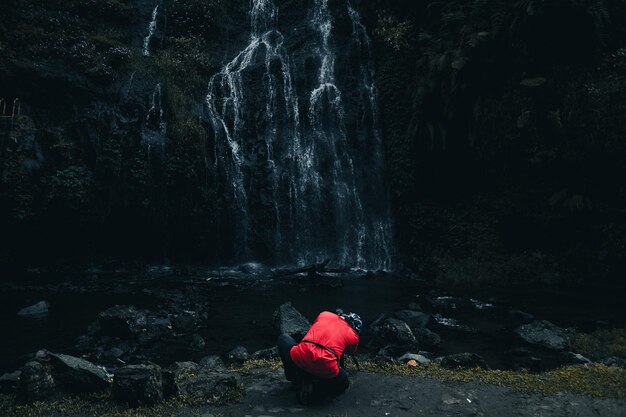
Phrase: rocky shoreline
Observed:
(143, 357)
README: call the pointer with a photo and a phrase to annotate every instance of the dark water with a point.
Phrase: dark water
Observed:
(241, 307)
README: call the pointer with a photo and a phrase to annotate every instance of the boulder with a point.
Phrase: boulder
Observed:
(122, 321)
(138, 384)
(40, 309)
(392, 331)
(545, 334)
(419, 359)
(572, 358)
(175, 373)
(238, 354)
(196, 342)
(288, 320)
(185, 322)
(9, 382)
(462, 360)
(78, 375)
(211, 363)
(269, 353)
(615, 362)
(36, 382)
(426, 339)
(415, 319)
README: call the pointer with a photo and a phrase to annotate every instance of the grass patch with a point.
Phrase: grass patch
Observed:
(596, 380)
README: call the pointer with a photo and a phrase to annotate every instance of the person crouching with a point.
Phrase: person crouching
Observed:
(314, 363)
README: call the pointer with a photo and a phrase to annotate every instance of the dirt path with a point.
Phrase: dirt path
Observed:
(267, 394)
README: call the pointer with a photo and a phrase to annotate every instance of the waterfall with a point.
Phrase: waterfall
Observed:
(156, 126)
(300, 188)
(151, 30)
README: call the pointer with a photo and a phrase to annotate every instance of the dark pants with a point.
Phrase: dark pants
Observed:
(321, 386)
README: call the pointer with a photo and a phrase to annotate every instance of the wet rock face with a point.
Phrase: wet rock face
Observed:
(545, 334)
(138, 384)
(78, 375)
(40, 309)
(289, 321)
(392, 331)
(415, 319)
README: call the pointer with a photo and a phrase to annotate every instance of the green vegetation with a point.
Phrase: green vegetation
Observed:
(595, 380)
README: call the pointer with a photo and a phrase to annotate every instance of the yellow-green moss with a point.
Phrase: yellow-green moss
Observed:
(595, 380)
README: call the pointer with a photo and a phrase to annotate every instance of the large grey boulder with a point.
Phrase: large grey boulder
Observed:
(545, 334)
(288, 320)
(426, 339)
(419, 359)
(138, 384)
(391, 331)
(36, 382)
(78, 375)
(176, 372)
(415, 319)
(40, 309)
(462, 360)
(122, 321)
(238, 354)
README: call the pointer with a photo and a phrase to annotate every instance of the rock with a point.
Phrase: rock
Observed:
(185, 322)
(238, 354)
(419, 359)
(462, 360)
(392, 331)
(523, 358)
(545, 334)
(521, 316)
(572, 358)
(36, 382)
(9, 382)
(391, 351)
(196, 343)
(176, 372)
(615, 362)
(426, 339)
(138, 384)
(41, 309)
(269, 353)
(211, 363)
(288, 320)
(77, 375)
(415, 319)
(122, 321)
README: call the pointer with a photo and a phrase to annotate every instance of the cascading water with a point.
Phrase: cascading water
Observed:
(302, 189)
(156, 126)
(151, 29)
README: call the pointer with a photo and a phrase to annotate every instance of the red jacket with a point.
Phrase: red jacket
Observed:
(331, 331)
